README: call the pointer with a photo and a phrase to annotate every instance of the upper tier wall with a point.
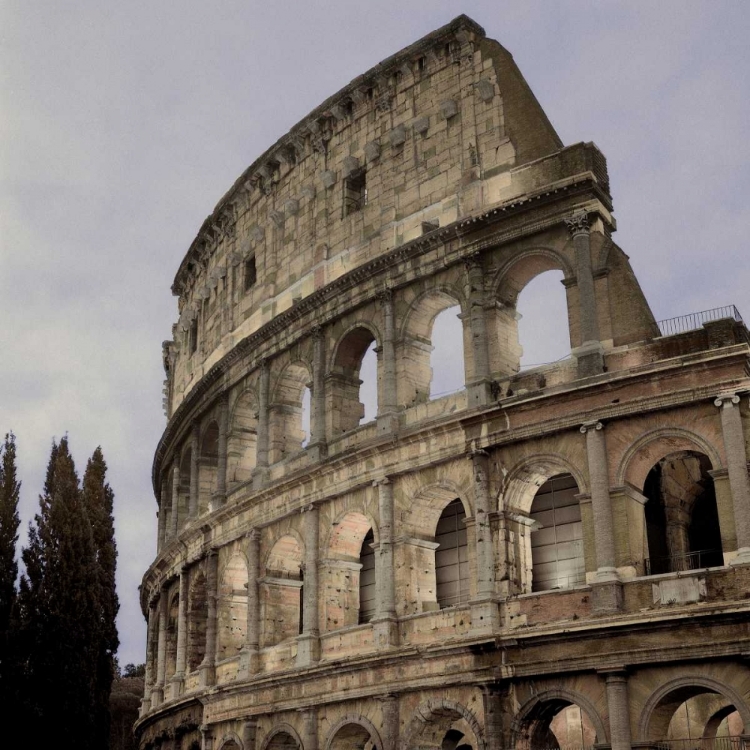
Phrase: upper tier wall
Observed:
(429, 136)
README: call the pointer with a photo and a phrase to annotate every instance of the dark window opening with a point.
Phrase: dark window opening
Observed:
(367, 593)
(430, 226)
(251, 273)
(452, 557)
(193, 337)
(420, 64)
(355, 192)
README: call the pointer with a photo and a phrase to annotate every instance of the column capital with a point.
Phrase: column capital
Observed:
(253, 535)
(384, 296)
(578, 223)
(317, 331)
(473, 260)
(308, 508)
(727, 400)
(594, 425)
(381, 481)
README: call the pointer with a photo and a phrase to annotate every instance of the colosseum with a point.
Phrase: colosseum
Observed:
(553, 557)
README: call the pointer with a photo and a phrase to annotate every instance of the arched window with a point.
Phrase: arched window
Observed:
(287, 411)
(209, 465)
(452, 557)
(367, 593)
(557, 545)
(556, 724)
(281, 592)
(197, 621)
(232, 614)
(243, 438)
(446, 360)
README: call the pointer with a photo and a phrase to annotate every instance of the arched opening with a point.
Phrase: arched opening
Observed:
(542, 314)
(443, 727)
(282, 741)
(348, 573)
(281, 592)
(209, 465)
(529, 325)
(197, 621)
(232, 622)
(347, 393)
(682, 519)
(452, 578)
(243, 439)
(695, 717)
(288, 434)
(368, 602)
(557, 539)
(446, 362)
(306, 416)
(229, 745)
(431, 352)
(353, 737)
(172, 618)
(556, 724)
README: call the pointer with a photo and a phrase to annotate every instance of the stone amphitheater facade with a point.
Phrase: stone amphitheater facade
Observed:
(555, 557)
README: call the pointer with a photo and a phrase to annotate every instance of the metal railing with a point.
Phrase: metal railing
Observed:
(703, 743)
(702, 558)
(694, 321)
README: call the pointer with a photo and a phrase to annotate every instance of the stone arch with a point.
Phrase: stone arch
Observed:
(633, 468)
(348, 571)
(433, 719)
(363, 734)
(232, 606)
(715, 720)
(281, 590)
(508, 282)
(522, 482)
(287, 435)
(545, 705)
(658, 709)
(413, 368)
(230, 741)
(197, 620)
(173, 610)
(242, 440)
(275, 741)
(345, 408)
(183, 505)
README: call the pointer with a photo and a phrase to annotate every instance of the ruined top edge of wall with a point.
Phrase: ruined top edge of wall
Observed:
(461, 25)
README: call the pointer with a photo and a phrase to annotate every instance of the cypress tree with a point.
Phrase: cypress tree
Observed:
(9, 522)
(98, 499)
(59, 606)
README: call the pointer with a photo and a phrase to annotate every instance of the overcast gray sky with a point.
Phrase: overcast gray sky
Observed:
(123, 123)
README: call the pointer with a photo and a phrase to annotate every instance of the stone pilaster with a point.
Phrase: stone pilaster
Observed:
(388, 403)
(151, 646)
(157, 693)
(207, 737)
(174, 519)
(389, 735)
(317, 446)
(308, 644)
(734, 449)
(385, 624)
(589, 353)
(249, 733)
(310, 728)
(493, 713)
(164, 502)
(619, 711)
(194, 469)
(607, 587)
(249, 654)
(220, 495)
(261, 464)
(484, 608)
(478, 390)
(207, 668)
(178, 680)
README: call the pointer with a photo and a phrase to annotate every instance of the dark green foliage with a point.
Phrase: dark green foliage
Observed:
(124, 702)
(67, 604)
(9, 523)
(98, 498)
(134, 670)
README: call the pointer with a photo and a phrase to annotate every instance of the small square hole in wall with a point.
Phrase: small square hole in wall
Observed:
(193, 337)
(430, 226)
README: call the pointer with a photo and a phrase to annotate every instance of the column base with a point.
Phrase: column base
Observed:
(479, 393)
(157, 696)
(388, 424)
(206, 675)
(249, 663)
(590, 358)
(177, 685)
(485, 616)
(259, 478)
(385, 631)
(308, 650)
(606, 595)
(317, 451)
(742, 557)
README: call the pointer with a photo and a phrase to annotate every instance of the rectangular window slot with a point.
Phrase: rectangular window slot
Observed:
(251, 273)
(355, 192)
